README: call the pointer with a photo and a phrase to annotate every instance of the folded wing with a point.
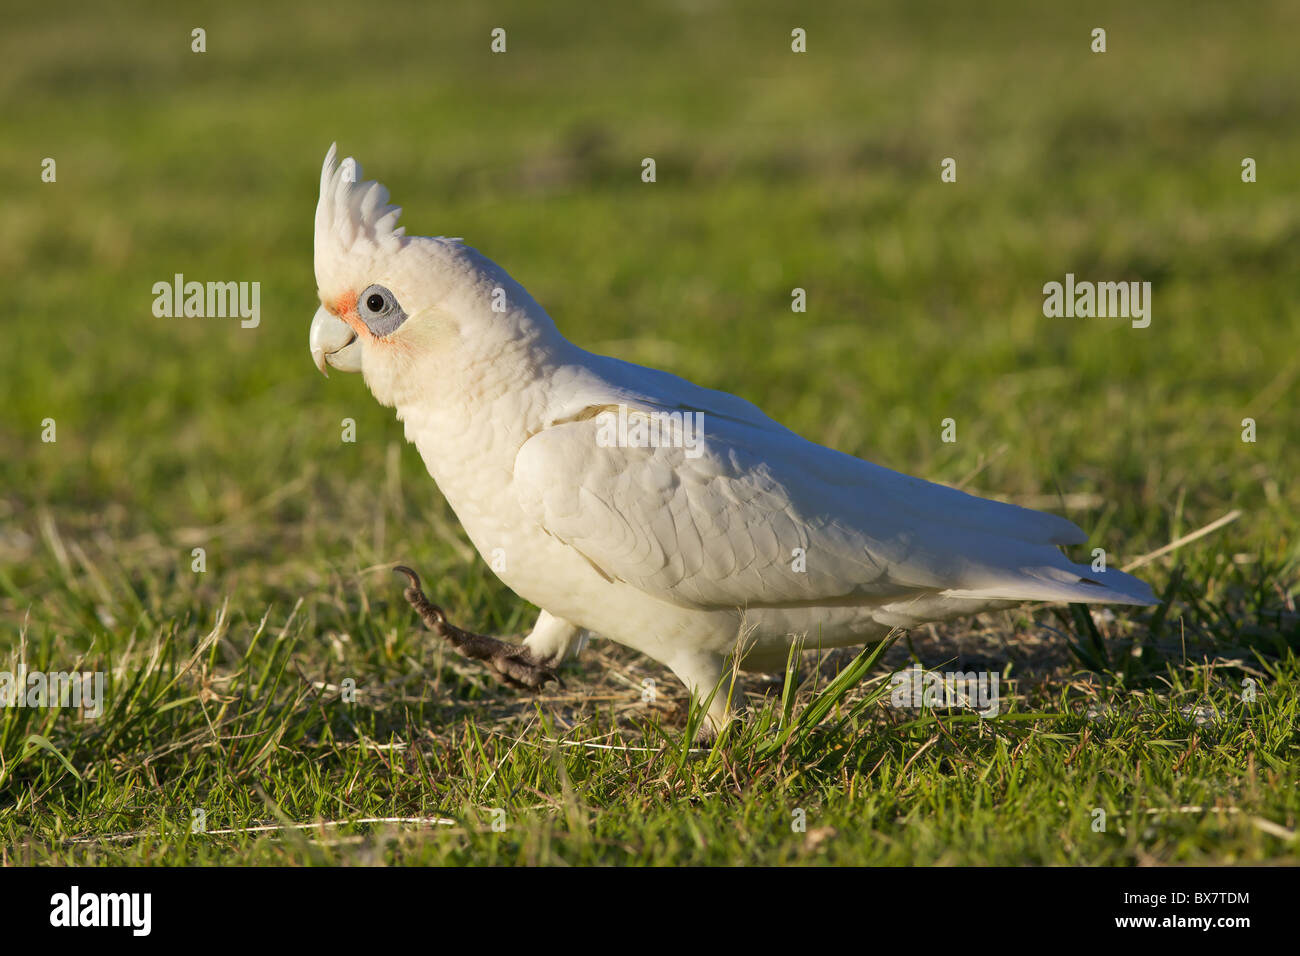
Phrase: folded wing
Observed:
(748, 514)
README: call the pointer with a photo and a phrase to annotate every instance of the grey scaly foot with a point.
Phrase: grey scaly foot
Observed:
(514, 664)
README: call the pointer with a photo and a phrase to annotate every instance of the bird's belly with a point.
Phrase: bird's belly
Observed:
(560, 580)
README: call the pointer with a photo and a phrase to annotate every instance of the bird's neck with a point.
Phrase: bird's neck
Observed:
(482, 383)
(469, 419)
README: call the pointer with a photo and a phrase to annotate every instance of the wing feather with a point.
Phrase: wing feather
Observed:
(721, 525)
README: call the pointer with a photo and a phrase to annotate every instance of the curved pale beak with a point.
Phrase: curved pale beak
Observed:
(333, 343)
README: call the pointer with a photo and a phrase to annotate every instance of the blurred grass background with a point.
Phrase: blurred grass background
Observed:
(775, 170)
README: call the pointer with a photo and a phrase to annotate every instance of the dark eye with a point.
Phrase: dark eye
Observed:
(378, 308)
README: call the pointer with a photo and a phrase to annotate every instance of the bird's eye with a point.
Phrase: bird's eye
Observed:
(378, 308)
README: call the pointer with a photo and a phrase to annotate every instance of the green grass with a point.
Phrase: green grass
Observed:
(775, 170)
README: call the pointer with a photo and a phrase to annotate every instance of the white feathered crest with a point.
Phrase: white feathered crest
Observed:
(353, 216)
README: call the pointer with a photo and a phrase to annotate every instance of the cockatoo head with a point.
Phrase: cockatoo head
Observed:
(359, 261)
(404, 310)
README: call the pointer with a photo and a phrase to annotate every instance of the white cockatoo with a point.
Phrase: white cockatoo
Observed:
(631, 504)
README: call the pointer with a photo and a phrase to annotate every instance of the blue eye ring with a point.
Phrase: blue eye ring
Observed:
(378, 308)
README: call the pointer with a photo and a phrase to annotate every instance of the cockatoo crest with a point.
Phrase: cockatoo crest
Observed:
(353, 218)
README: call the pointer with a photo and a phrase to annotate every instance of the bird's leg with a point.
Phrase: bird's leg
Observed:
(707, 675)
(554, 640)
(513, 663)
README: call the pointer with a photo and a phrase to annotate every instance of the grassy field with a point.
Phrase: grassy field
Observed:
(775, 170)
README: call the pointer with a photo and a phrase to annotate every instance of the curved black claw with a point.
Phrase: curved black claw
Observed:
(514, 664)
